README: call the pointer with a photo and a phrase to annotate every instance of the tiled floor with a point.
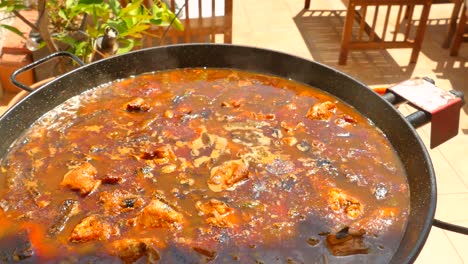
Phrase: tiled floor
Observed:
(315, 34)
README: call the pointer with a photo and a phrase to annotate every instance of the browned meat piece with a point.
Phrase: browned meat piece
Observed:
(209, 254)
(81, 179)
(131, 250)
(217, 213)
(92, 228)
(345, 120)
(344, 244)
(161, 153)
(158, 214)
(228, 175)
(137, 105)
(340, 202)
(120, 201)
(321, 111)
(233, 104)
(68, 209)
(111, 179)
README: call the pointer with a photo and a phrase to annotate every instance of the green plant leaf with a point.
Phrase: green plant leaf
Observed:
(176, 24)
(14, 8)
(90, 2)
(120, 25)
(67, 40)
(126, 45)
(13, 29)
(116, 7)
(62, 14)
(156, 21)
(132, 6)
(69, 3)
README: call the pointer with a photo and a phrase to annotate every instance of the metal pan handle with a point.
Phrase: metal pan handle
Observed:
(434, 105)
(420, 117)
(37, 63)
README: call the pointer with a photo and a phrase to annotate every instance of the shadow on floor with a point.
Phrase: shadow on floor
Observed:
(321, 31)
(451, 68)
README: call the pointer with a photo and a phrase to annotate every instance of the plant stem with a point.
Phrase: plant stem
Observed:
(27, 22)
(42, 28)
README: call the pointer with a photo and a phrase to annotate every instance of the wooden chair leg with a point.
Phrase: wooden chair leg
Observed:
(452, 26)
(420, 33)
(459, 35)
(347, 34)
(307, 4)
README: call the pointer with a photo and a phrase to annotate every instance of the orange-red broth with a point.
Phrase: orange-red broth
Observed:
(281, 211)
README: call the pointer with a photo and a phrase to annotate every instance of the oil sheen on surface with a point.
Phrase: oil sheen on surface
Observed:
(202, 165)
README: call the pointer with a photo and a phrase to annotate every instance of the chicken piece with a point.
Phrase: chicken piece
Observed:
(81, 179)
(159, 215)
(340, 202)
(93, 228)
(228, 175)
(321, 111)
(162, 154)
(344, 243)
(345, 120)
(137, 105)
(119, 201)
(131, 250)
(217, 213)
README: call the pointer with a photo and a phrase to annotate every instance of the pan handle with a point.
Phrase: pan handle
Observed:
(420, 117)
(434, 105)
(37, 63)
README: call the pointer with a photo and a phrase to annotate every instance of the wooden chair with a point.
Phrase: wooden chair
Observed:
(452, 24)
(461, 33)
(357, 11)
(202, 24)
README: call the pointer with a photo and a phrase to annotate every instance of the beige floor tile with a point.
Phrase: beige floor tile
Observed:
(459, 241)
(240, 20)
(244, 38)
(456, 154)
(448, 180)
(287, 41)
(268, 14)
(452, 207)
(438, 249)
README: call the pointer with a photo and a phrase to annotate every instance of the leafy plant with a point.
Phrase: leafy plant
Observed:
(77, 24)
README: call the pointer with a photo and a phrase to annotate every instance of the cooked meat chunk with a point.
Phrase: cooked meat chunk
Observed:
(158, 214)
(228, 175)
(217, 213)
(344, 243)
(321, 111)
(163, 153)
(93, 228)
(340, 202)
(120, 201)
(68, 209)
(131, 250)
(345, 120)
(137, 105)
(81, 179)
(111, 179)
